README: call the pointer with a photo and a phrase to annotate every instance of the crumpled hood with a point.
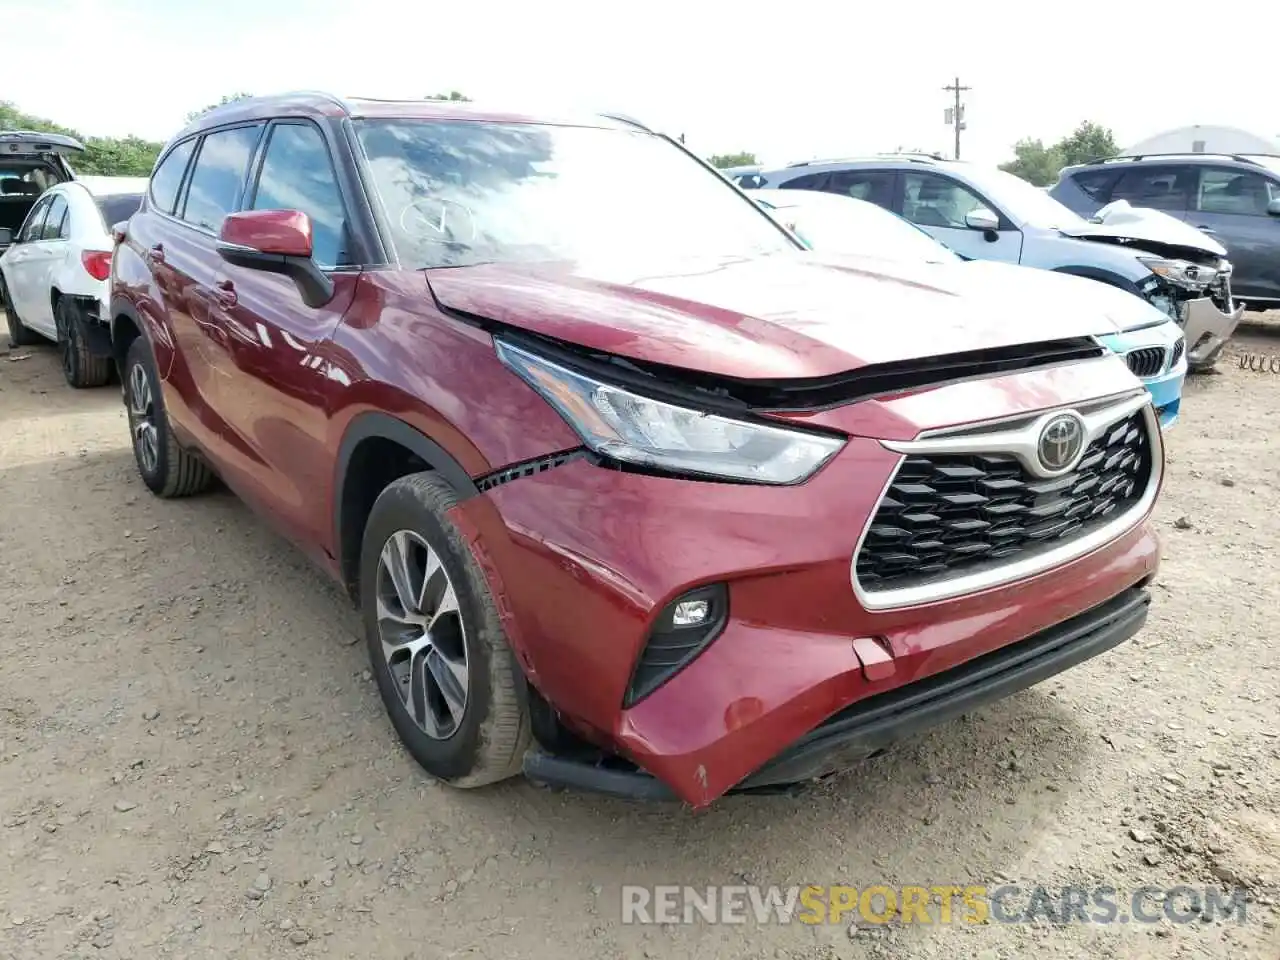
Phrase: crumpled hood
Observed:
(1121, 221)
(774, 317)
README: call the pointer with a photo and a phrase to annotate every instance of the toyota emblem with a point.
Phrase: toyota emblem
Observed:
(1061, 441)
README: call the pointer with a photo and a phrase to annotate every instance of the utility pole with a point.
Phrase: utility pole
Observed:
(955, 115)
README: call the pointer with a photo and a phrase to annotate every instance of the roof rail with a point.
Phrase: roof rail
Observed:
(628, 120)
(1179, 154)
(913, 156)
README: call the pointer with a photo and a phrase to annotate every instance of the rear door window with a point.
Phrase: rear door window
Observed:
(874, 186)
(217, 181)
(1159, 187)
(812, 181)
(55, 225)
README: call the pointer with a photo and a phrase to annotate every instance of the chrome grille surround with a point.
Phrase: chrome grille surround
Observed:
(1017, 437)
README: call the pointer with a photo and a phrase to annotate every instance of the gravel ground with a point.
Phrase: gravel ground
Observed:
(194, 762)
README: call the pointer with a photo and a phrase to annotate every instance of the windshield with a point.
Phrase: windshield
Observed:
(835, 224)
(1020, 201)
(464, 192)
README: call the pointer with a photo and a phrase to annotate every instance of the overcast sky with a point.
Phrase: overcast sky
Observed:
(787, 81)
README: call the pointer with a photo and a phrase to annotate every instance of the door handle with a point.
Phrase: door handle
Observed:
(1204, 228)
(225, 293)
(156, 253)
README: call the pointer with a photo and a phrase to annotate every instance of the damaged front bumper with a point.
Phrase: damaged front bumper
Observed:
(1207, 328)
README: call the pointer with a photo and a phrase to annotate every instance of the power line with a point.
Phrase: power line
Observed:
(955, 115)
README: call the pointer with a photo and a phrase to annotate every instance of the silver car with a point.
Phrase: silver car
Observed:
(986, 214)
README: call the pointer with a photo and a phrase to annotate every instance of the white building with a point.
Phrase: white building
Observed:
(1204, 138)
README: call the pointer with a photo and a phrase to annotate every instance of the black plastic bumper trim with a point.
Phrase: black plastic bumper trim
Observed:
(868, 726)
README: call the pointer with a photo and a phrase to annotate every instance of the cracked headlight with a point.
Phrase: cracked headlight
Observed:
(1181, 273)
(626, 426)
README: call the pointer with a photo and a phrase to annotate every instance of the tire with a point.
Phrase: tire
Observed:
(79, 366)
(19, 336)
(165, 467)
(485, 741)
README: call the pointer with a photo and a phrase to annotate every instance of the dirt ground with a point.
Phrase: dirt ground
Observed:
(194, 761)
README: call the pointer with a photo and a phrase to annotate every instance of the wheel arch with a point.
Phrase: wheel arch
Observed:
(376, 450)
(125, 328)
(1101, 274)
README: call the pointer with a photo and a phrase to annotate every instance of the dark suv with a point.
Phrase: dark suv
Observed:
(678, 502)
(1235, 199)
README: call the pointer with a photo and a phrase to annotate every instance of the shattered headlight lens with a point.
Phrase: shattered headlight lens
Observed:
(626, 426)
(1181, 273)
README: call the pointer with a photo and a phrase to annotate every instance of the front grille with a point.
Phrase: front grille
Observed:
(1146, 362)
(1178, 349)
(950, 514)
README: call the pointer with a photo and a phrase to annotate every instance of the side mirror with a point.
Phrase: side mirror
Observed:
(1273, 207)
(276, 241)
(980, 218)
(6, 236)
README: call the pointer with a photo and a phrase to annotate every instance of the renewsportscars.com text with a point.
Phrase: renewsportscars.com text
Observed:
(935, 904)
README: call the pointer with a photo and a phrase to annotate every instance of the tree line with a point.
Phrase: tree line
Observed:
(1033, 161)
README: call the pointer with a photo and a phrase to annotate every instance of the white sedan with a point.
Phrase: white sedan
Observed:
(53, 277)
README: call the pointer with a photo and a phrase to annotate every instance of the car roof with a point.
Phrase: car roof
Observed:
(319, 105)
(893, 161)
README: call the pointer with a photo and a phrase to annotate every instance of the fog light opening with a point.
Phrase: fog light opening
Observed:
(690, 613)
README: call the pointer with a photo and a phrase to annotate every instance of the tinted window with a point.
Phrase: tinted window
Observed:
(297, 175)
(465, 192)
(218, 177)
(933, 201)
(1162, 188)
(1224, 190)
(1096, 184)
(812, 181)
(32, 229)
(168, 176)
(874, 186)
(55, 224)
(118, 207)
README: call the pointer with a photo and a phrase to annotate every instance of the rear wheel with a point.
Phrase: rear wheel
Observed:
(79, 366)
(19, 336)
(166, 468)
(444, 669)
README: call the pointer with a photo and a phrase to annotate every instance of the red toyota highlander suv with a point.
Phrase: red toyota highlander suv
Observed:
(658, 505)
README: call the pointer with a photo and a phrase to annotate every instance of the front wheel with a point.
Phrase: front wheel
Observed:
(446, 674)
(165, 467)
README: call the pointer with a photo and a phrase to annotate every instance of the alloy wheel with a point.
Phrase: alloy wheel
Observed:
(423, 637)
(142, 422)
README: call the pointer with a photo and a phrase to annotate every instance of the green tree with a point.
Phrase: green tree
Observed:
(454, 95)
(230, 98)
(104, 156)
(1038, 164)
(723, 161)
(1089, 141)
(1034, 162)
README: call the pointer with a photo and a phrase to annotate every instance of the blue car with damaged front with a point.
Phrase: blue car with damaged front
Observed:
(1150, 342)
